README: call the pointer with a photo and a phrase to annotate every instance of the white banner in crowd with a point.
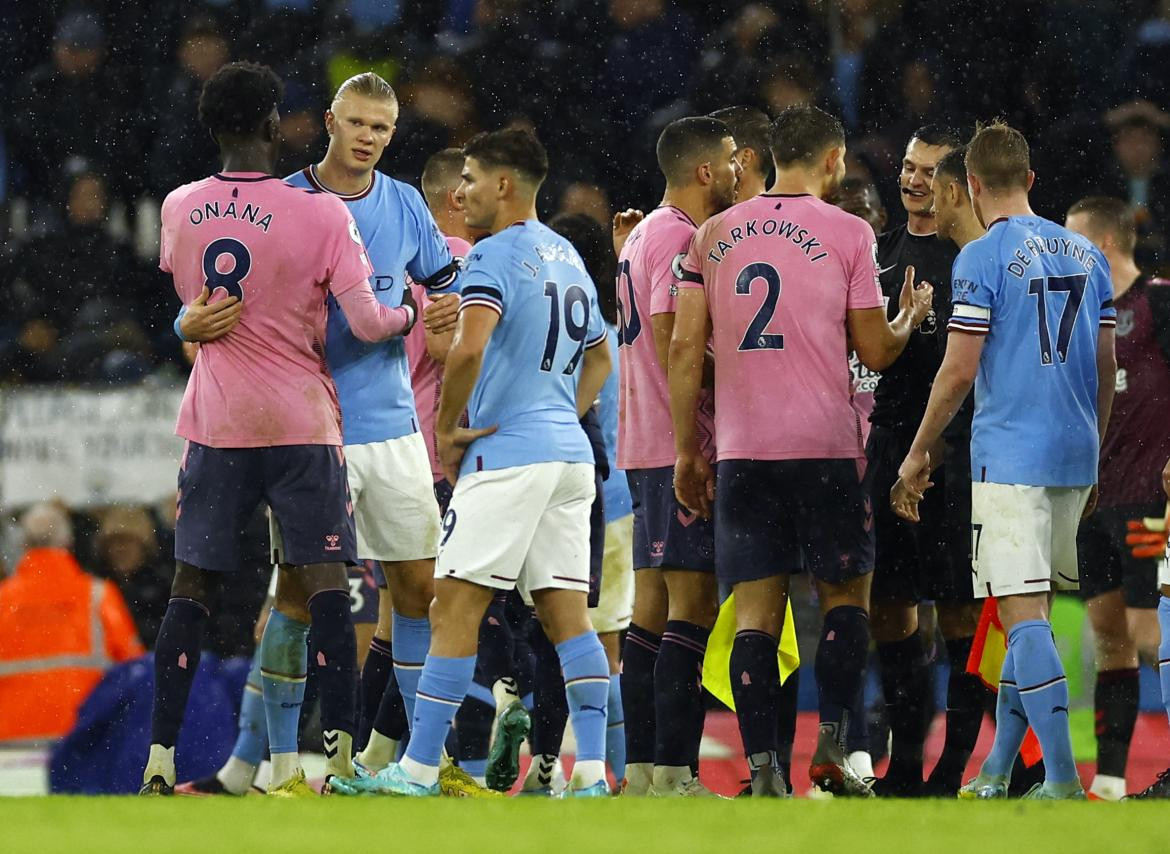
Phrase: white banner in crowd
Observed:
(89, 447)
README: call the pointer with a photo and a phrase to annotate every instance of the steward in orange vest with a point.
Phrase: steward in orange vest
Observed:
(60, 629)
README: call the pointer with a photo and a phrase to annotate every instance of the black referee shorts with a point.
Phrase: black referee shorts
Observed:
(930, 560)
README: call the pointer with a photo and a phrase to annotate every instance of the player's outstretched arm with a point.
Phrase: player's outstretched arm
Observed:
(476, 323)
(951, 386)
(879, 342)
(595, 368)
(694, 482)
(369, 320)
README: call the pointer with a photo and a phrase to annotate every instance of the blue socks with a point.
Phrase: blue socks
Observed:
(284, 663)
(412, 640)
(252, 742)
(440, 692)
(1044, 694)
(586, 671)
(615, 730)
(1011, 723)
(1164, 650)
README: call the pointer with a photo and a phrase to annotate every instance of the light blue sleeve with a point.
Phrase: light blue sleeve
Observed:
(974, 288)
(432, 266)
(484, 281)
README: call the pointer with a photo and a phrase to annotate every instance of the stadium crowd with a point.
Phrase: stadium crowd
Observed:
(102, 125)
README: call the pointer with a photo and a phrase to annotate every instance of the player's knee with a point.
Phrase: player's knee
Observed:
(891, 622)
(192, 583)
(413, 589)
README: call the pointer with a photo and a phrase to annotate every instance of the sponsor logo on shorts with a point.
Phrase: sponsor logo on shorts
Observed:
(333, 542)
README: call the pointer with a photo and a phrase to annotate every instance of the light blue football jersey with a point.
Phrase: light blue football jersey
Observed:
(549, 316)
(1040, 293)
(373, 380)
(618, 503)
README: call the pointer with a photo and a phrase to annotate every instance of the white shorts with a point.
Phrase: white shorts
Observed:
(1024, 538)
(1164, 568)
(615, 608)
(525, 527)
(393, 495)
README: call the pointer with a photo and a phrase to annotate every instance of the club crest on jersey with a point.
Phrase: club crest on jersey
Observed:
(1125, 322)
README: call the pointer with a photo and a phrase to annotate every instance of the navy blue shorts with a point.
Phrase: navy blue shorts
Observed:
(443, 492)
(666, 534)
(304, 486)
(363, 592)
(596, 541)
(778, 517)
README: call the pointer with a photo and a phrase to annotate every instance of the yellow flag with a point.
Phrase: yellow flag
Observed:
(717, 662)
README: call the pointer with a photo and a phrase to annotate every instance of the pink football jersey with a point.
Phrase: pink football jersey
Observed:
(647, 284)
(779, 274)
(281, 250)
(426, 375)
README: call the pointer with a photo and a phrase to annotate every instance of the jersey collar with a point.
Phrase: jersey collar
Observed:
(310, 173)
(247, 177)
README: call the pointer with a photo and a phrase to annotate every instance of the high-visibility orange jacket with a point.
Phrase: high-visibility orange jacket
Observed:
(60, 628)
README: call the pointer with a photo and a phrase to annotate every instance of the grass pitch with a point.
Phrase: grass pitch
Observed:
(209, 826)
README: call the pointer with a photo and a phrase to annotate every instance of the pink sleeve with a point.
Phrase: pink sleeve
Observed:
(369, 320)
(691, 265)
(865, 290)
(665, 272)
(345, 264)
(164, 241)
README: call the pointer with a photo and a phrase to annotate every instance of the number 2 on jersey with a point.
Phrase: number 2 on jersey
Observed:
(756, 338)
(229, 281)
(574, 295)
(1074, 286)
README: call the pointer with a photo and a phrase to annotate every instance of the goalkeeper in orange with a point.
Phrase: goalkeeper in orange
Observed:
(1118, 563)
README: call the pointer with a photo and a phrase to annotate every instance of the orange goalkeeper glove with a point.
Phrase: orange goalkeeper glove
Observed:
(1147, 537)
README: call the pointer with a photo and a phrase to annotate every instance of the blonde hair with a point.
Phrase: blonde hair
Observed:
(370, 85)
(998, 156)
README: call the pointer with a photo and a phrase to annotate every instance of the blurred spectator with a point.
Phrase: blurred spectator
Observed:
(789, 81)
(62, 629)
(302, 124)
(648, 61)
(588, 199)
(76, 114)
(727, 66)
(860, 198)
(80, 303)
(852, 26)
(128, 555)
(182, 151)
(1139, 174)
(1143, 62)
(438, 111)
